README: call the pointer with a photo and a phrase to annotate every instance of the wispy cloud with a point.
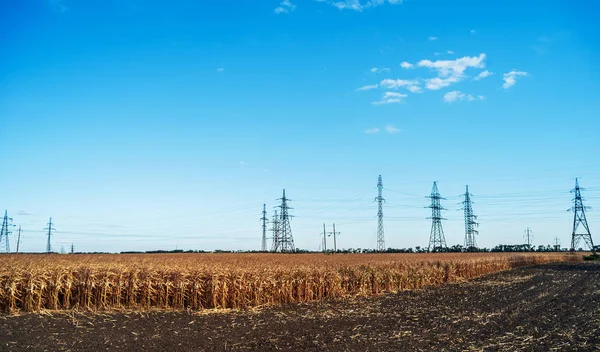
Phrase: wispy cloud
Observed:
(433, 38)
(220, 69)
(411, 85)
(390, 98)
(359, 5)
(372, 130)
(242, 162)
(406, 65)
(483, 75)
(473, 31)
(450, 71)
(510, 79)
(379, 70)
(457, 95)
(391, 129)
(369, 87)
(286, 6)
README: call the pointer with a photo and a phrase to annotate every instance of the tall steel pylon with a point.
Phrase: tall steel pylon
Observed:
(528, 236)
(275, 229)
(380, 200)
(579, 218)
(263, 246)
(470, 223)
(437, 241)
(5, 231)
(285, 241)
(49, 243)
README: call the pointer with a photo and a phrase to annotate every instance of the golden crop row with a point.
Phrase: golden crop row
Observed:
(199, 281)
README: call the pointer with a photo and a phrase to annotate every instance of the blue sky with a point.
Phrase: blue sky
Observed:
(144, 125)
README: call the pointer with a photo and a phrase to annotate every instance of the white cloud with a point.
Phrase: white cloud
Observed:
(457, 95)
(450, 52)
(473, 31)
(220, 69)
(396, 83)
(242, 162)
(369, 87)
(359, 5)
(415, 89)
(483, 75)
(391, 129)
(286, 6)
(378, 70)
(372, 130)
(433, 38)
(511, 78)
(406, 65)
(450, 71)
(413, 85)
(390, 98)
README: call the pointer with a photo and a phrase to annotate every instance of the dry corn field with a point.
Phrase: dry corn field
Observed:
(32, 283)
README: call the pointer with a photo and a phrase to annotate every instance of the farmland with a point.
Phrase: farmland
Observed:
(34, 283)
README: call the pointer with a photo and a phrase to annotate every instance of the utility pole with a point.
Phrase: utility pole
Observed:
(528, 236)
(470, 223)
(263, 247)
(556, 244)
(18, 238)
(334, 241)
(579, 218)
(437, 241)
(49, 243)
(72, 248)
(275, 229)
(324, 239)
(5, 231)
(380, 200)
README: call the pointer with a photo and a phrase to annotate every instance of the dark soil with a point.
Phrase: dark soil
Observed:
(541, 308)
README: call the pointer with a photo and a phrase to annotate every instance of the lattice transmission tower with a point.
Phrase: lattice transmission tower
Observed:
(437, 241)
(579, 218)
(50, 229)
(263, 246)
(285, 241)
(275, 230)
(5, 231)
(380, 200)
(470, 223)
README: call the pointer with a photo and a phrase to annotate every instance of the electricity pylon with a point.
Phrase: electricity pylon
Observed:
(285, 241)
(437, 241)
(579, 218)
(263, 246)
(380, 200)
(275, 229)
(49, 243)
(5, 231)
(528, 236)
(470, 223)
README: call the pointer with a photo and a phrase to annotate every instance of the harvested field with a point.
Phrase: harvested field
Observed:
(30, 283)
(551, 307)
